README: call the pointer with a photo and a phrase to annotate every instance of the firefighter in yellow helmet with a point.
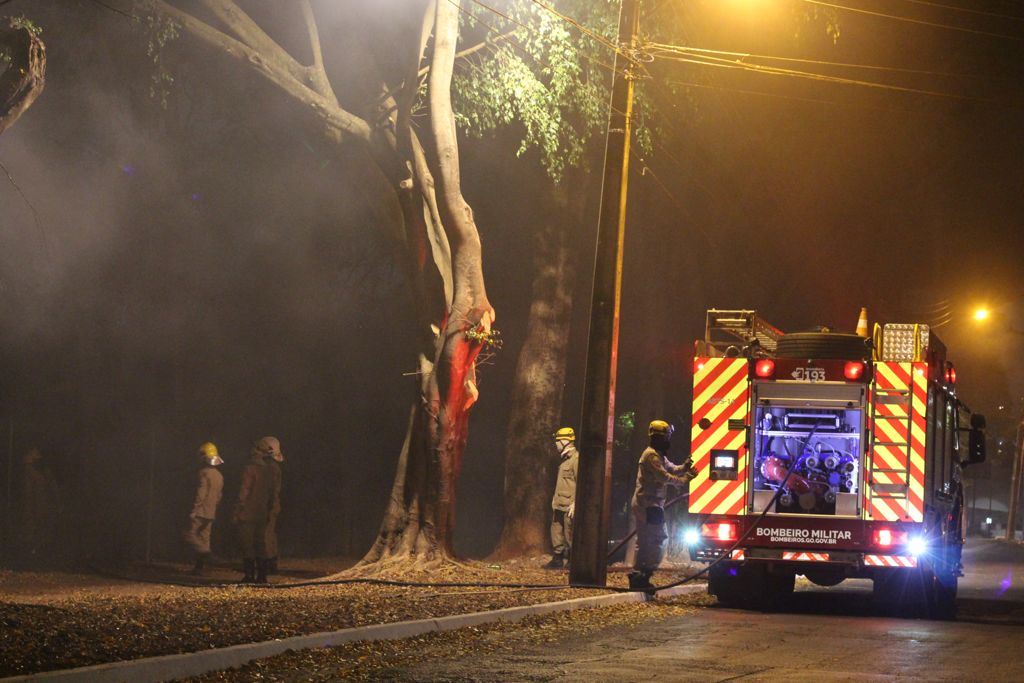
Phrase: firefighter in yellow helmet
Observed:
(563, 503)
(654, 474)
(209, 487)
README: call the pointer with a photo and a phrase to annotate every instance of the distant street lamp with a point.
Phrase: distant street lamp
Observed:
(982, 314)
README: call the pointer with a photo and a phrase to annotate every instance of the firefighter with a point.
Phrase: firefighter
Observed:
(39, 509)
(563, 503)
(209, 487)
(252, 511)
(654, 473)
(274, 463)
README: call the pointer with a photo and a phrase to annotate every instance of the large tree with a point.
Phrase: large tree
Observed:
(543, 75)
(440, 243)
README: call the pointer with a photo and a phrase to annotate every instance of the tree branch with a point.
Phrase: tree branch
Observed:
(250, 33)
(462, 54)
(339, 121)
(24, 79)
(315, 72)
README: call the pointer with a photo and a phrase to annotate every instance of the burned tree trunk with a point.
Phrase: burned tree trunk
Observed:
(25, 75)
(530, 461)
(420, 520)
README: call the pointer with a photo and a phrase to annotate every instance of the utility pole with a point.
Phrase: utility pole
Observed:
(588, 564)
(1018, 465)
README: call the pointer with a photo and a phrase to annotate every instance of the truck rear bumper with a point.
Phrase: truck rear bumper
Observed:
(798, 557)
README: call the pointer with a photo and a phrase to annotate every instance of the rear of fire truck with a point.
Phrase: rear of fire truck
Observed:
(831, 456)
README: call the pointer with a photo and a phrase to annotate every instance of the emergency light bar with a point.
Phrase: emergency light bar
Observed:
(904, 342)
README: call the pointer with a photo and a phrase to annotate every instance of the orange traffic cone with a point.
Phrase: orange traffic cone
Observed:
(862, 323)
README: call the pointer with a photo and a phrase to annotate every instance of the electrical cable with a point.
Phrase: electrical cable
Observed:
(909, 20)
(954, 8)
(686, 50)
(583, 29)
(529, 28)
(776, 71)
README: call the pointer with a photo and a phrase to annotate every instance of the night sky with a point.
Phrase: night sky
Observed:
(211, 271)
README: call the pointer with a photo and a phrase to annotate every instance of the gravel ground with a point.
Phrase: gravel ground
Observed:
(441, 656)
(93, 622)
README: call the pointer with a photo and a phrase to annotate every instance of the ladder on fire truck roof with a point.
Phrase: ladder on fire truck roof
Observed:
(724, 328)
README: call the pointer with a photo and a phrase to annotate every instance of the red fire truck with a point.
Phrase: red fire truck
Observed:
(832, 456)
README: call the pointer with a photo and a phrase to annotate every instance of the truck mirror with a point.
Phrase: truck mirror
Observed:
(977, 421)
(976, 447)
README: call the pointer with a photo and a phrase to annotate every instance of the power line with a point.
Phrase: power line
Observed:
(776, 71)
(682, 49)
(529, 28)
(908, 20)
(647, 170)
(809, 100)
(583, 29)
(954, 8)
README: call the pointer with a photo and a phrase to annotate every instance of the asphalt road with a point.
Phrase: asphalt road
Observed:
(821, 635)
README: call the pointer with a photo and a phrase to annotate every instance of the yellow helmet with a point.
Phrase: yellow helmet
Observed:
(565, 433)
(208, 452)
(661, 428)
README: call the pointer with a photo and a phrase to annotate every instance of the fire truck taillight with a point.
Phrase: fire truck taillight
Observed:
(719, 531)
(854, 370)
(764, 368)
(950, 374)
(886, 538)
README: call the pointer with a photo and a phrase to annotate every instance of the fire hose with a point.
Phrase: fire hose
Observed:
(727, 553)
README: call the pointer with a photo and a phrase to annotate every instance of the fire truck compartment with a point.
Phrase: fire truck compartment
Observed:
(813, 433)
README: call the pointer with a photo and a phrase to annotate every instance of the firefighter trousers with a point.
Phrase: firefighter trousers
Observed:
(651, 534)
(252, 535)
(197, 536)
(561, 532)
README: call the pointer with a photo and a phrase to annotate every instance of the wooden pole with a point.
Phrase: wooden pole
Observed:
(587, 565)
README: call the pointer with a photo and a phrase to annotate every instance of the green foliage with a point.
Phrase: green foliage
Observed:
(488, 339)
(160, 31)
(625, 425)
(541, 76)
(550, 81)
(26, 23)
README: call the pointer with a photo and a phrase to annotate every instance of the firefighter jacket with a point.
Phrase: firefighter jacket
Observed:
(209, 487)
(256, 497)
(652, 477)
(274, 470)
(565, 484)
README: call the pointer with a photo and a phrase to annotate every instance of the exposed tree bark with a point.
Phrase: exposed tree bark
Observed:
(25, 76)
(530, 460)
(442, 249)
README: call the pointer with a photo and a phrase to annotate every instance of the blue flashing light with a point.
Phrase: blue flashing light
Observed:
(917, 546)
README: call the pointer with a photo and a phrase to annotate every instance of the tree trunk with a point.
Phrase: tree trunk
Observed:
(419, 523)
(530, 460)
(23, 80)
(442, 252)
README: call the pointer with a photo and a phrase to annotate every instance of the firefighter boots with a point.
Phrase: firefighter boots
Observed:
(557, 561)
(261, 570)
(640, 580)
(249, 567)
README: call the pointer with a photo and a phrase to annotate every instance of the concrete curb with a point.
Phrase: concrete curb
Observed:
(170, 667)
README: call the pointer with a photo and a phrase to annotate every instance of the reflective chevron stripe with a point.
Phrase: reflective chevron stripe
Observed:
(721, 395)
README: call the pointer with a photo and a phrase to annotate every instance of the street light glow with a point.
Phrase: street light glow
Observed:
(981, 314)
